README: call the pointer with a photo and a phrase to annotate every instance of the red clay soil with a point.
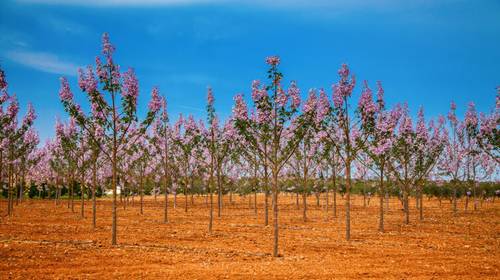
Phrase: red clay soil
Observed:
(45, 241)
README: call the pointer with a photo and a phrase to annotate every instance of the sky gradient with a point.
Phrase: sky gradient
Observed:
(426, 53)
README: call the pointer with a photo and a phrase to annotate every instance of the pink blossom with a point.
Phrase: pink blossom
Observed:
(101, 70)
(366, 105)
(471, 116)
(380, 96)
(190, 124)
(323, 106)
(343, 71)
(130, 87)
(3, 97)
(155, 103)
(87, 81)
(30, 115)
(421, 130)
(210, 97)
(406, 126)
(3, 81)
(31, 137)
(338, 100)
(13, 107)
(258, 93)
(273, 60)
(115, 74)
(107, 47)
(451, 114)
(310, 104)
(344, 88)
(281, 98)
(65, 92)
(164, 113)
(294, 93)
(240, 110)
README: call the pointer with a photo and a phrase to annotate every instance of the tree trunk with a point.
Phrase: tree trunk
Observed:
(72, 197)
(114, 173)
(210, 224)
(93, 207)
(82, 202)
(381, 197)
(275, 211)
(185, 199)
(326, 203)
(348, 200)
(421, 204)
(10, 206)
(219, 193)
(304, 204)
(334, 182)
(266, 208)
(142, 194)
(406, 206)
(454, 200)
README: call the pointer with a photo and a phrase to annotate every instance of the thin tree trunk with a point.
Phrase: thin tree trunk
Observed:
(266, 208)
(326, 204)
(114, 172)
(210, 224)
(334, 183)
(304, 204)
(406, 206)
(10, 205)
(275, 211)
(142, 194)
(72, 197)
(348, 200)
(421, 204)
(455, 200)
(219, 192)
(82, 202)
(381, 197)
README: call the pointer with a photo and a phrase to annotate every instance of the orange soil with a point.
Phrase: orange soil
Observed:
(42, 240)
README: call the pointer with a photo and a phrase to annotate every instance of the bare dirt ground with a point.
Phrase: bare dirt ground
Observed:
(45, 241)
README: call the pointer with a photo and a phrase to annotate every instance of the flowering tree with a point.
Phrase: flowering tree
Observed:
(220, 144)
(186, 138)
(342, 131)
(304, 161)
(113, 116)
(162, 140)
(489, 135)
(415, 153)
(378, 126)
(67, 139)
(17, 141)
(278, 116)
(452, 161)
(472, 148)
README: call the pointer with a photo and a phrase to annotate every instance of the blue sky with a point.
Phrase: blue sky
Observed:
(425, 52)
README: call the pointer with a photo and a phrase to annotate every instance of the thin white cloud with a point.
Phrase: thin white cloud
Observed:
(42, 61)
(63, 25)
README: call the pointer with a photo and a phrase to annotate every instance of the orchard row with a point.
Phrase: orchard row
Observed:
(275, 143)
